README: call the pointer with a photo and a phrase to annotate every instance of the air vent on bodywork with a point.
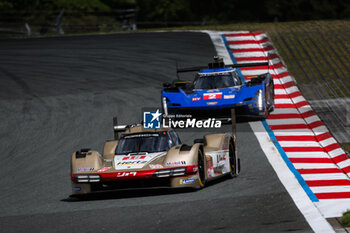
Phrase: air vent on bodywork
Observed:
(170, 172)
(82, 153)
(82, 178)
(199, 140)
(250, 98)
(185, 148)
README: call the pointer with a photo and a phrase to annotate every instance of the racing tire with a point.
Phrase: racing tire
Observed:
(271, 100)
(234, 161)
(269, 103)
(201, 169)
(266, 112)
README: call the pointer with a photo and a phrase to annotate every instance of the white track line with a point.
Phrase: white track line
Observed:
(314, 165)
(307, 155)
(325, 176)
(287, 178)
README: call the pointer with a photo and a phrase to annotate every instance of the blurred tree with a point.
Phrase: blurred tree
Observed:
(6, 5)
(212, 10)
(120, 4)
(307, 9)
(37, 5)
(164, 10)
(169, 12)
(86, 5)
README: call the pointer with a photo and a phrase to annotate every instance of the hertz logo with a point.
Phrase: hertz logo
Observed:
(131, 163)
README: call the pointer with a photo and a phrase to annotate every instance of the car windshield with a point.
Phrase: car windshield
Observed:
(217, 81)
(142, 143)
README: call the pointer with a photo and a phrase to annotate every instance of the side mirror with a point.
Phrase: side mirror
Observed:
(189, 86)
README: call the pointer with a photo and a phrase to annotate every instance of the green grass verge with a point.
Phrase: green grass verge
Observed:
(345, 146)
(345, 219)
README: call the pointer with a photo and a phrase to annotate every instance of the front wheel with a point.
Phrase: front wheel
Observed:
(201, 169)
(269, 103)
(234, 161)
(271, 99)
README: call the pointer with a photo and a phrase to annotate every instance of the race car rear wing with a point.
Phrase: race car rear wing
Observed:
(198, 68)
(120, 128)
(219, 63)
(117, 128)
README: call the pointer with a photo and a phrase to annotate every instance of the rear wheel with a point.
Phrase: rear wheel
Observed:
(271, 99)
(201, 169)
(234, 163)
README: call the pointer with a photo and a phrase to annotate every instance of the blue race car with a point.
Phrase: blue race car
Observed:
(216, 89)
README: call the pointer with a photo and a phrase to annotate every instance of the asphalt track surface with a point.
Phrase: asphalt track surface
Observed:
(58, 95)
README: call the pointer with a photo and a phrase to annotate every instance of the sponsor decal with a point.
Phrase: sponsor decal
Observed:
(134, 157)
(130, 163)
(176, 163)
(124, 174)
(220, 157)
(77, 189)
(196, 98)
(133, 161)
(187, 181)
(212, 103)
(152, 120)
(212, 96)
(104, 169)
(155, 166)
(210, 167)
(229, 96)
(86, 169)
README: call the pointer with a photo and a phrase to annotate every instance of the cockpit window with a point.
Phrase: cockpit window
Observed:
(142, 143)
(217, 81)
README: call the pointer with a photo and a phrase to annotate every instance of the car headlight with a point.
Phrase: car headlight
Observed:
(87, 178)
(259, 93)
(170, 172)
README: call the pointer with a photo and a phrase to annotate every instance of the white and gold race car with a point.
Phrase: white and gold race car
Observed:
(142, 158)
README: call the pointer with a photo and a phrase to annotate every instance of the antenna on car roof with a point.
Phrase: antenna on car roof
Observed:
(119, 128)
(218, 63)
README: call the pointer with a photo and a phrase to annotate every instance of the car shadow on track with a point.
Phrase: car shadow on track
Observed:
(135, 193)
